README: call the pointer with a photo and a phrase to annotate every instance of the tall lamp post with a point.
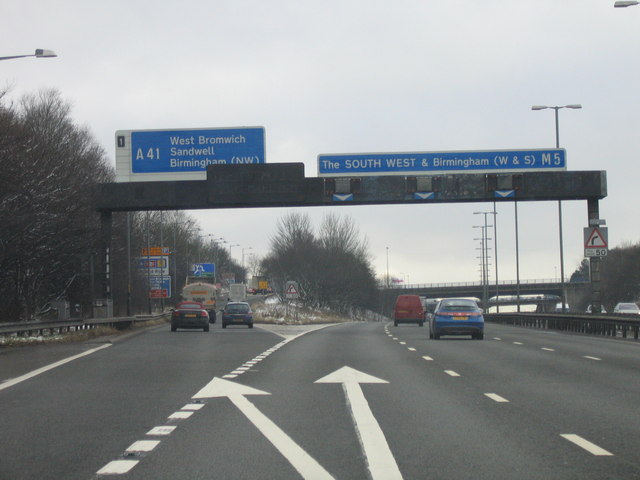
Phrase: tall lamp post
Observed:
(495, 247)
(625, 3)
(40, 53)
(562, 285)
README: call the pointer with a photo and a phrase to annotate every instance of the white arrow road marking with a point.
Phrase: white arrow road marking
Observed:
(382, 464)
(301, 460)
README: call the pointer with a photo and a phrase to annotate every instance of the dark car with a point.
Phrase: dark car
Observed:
(237, 313)
(456, 316)
(189, 315)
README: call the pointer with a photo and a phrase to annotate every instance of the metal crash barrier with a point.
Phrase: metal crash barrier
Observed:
(60, 327)
(604, 325)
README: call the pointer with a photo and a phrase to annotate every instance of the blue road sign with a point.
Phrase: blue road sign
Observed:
(170, 151)
(433, 163)
(203, 269)
(160, 287)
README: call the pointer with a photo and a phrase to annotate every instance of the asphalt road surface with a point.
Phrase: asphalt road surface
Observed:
(350, 401)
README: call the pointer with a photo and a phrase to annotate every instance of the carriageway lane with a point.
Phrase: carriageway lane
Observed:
(428, 416)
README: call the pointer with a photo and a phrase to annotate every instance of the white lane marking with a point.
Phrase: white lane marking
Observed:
(117, 467)
(180, 415)
(587, 445)
(403, 343)
(548, 349)
(517, 343)
(592, 358)
(380, 460)
(33, 373)
(395, 338)
(161, 430)
(229, 375)
(428, 359)
(452, 373)
(411, 349)
(306, 465)
(497, 398)
(497, 338)
(143, 446)
(193, 406)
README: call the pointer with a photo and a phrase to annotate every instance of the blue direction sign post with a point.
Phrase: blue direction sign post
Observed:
(162, 152)
(203, 270)
(433, 163)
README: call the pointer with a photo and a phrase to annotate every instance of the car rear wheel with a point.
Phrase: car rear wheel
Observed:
(173, 328)
(251, 325)
(206, 329)
(224, 325)
(436, 336)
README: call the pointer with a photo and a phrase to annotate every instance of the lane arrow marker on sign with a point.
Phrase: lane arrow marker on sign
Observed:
(306, 466)
(381, 462)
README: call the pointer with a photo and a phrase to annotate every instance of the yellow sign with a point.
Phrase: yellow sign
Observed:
(156, 251)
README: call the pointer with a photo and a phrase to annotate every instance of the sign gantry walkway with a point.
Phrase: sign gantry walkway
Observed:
(285, 185)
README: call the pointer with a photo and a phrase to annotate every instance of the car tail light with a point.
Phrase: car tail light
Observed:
(204, 314)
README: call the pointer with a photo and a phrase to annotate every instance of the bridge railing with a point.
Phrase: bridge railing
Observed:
(589, 324)
(550, 281)
(58, 327)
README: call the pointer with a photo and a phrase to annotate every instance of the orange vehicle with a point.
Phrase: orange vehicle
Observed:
(408, 309)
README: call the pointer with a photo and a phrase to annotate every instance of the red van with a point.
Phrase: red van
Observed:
(408, 309)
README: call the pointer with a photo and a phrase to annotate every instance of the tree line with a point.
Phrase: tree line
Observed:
(619, 277)
(331, 267)
(50, 232)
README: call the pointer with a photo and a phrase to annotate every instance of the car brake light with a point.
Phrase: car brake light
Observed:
(204, 314)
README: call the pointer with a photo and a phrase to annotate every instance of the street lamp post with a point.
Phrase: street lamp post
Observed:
(40, 53)
(625, 3)
(562, 285)
(495, 246)
(387, 267)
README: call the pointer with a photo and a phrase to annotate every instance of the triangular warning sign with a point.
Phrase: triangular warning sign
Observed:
(292, 290)
(595, 240)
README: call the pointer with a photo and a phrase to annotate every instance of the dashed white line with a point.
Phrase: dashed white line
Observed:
(427, 358)
(587, 445)
(117, 467)
(497, 338)
(548, 349)
(452, 373)
(161, 430)
(193, 406)
(403, 343)
(497, 398)
(143, 446)
(592, 358)
(411, 349)
(517, 343)
(180, 415)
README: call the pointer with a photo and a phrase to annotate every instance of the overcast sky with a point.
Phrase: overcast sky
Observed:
(363, 76)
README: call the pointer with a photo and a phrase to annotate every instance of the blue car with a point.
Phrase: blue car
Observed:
(456, 316)
(237, 313)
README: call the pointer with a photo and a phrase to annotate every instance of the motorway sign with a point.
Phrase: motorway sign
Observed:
(596, 241)
(169, 154)
(433, 163)
(153, 265)
(291, 290)
(155, 251)
(203, 269)
(160, 287)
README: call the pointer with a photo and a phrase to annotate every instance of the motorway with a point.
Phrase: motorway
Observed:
(349, 401)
